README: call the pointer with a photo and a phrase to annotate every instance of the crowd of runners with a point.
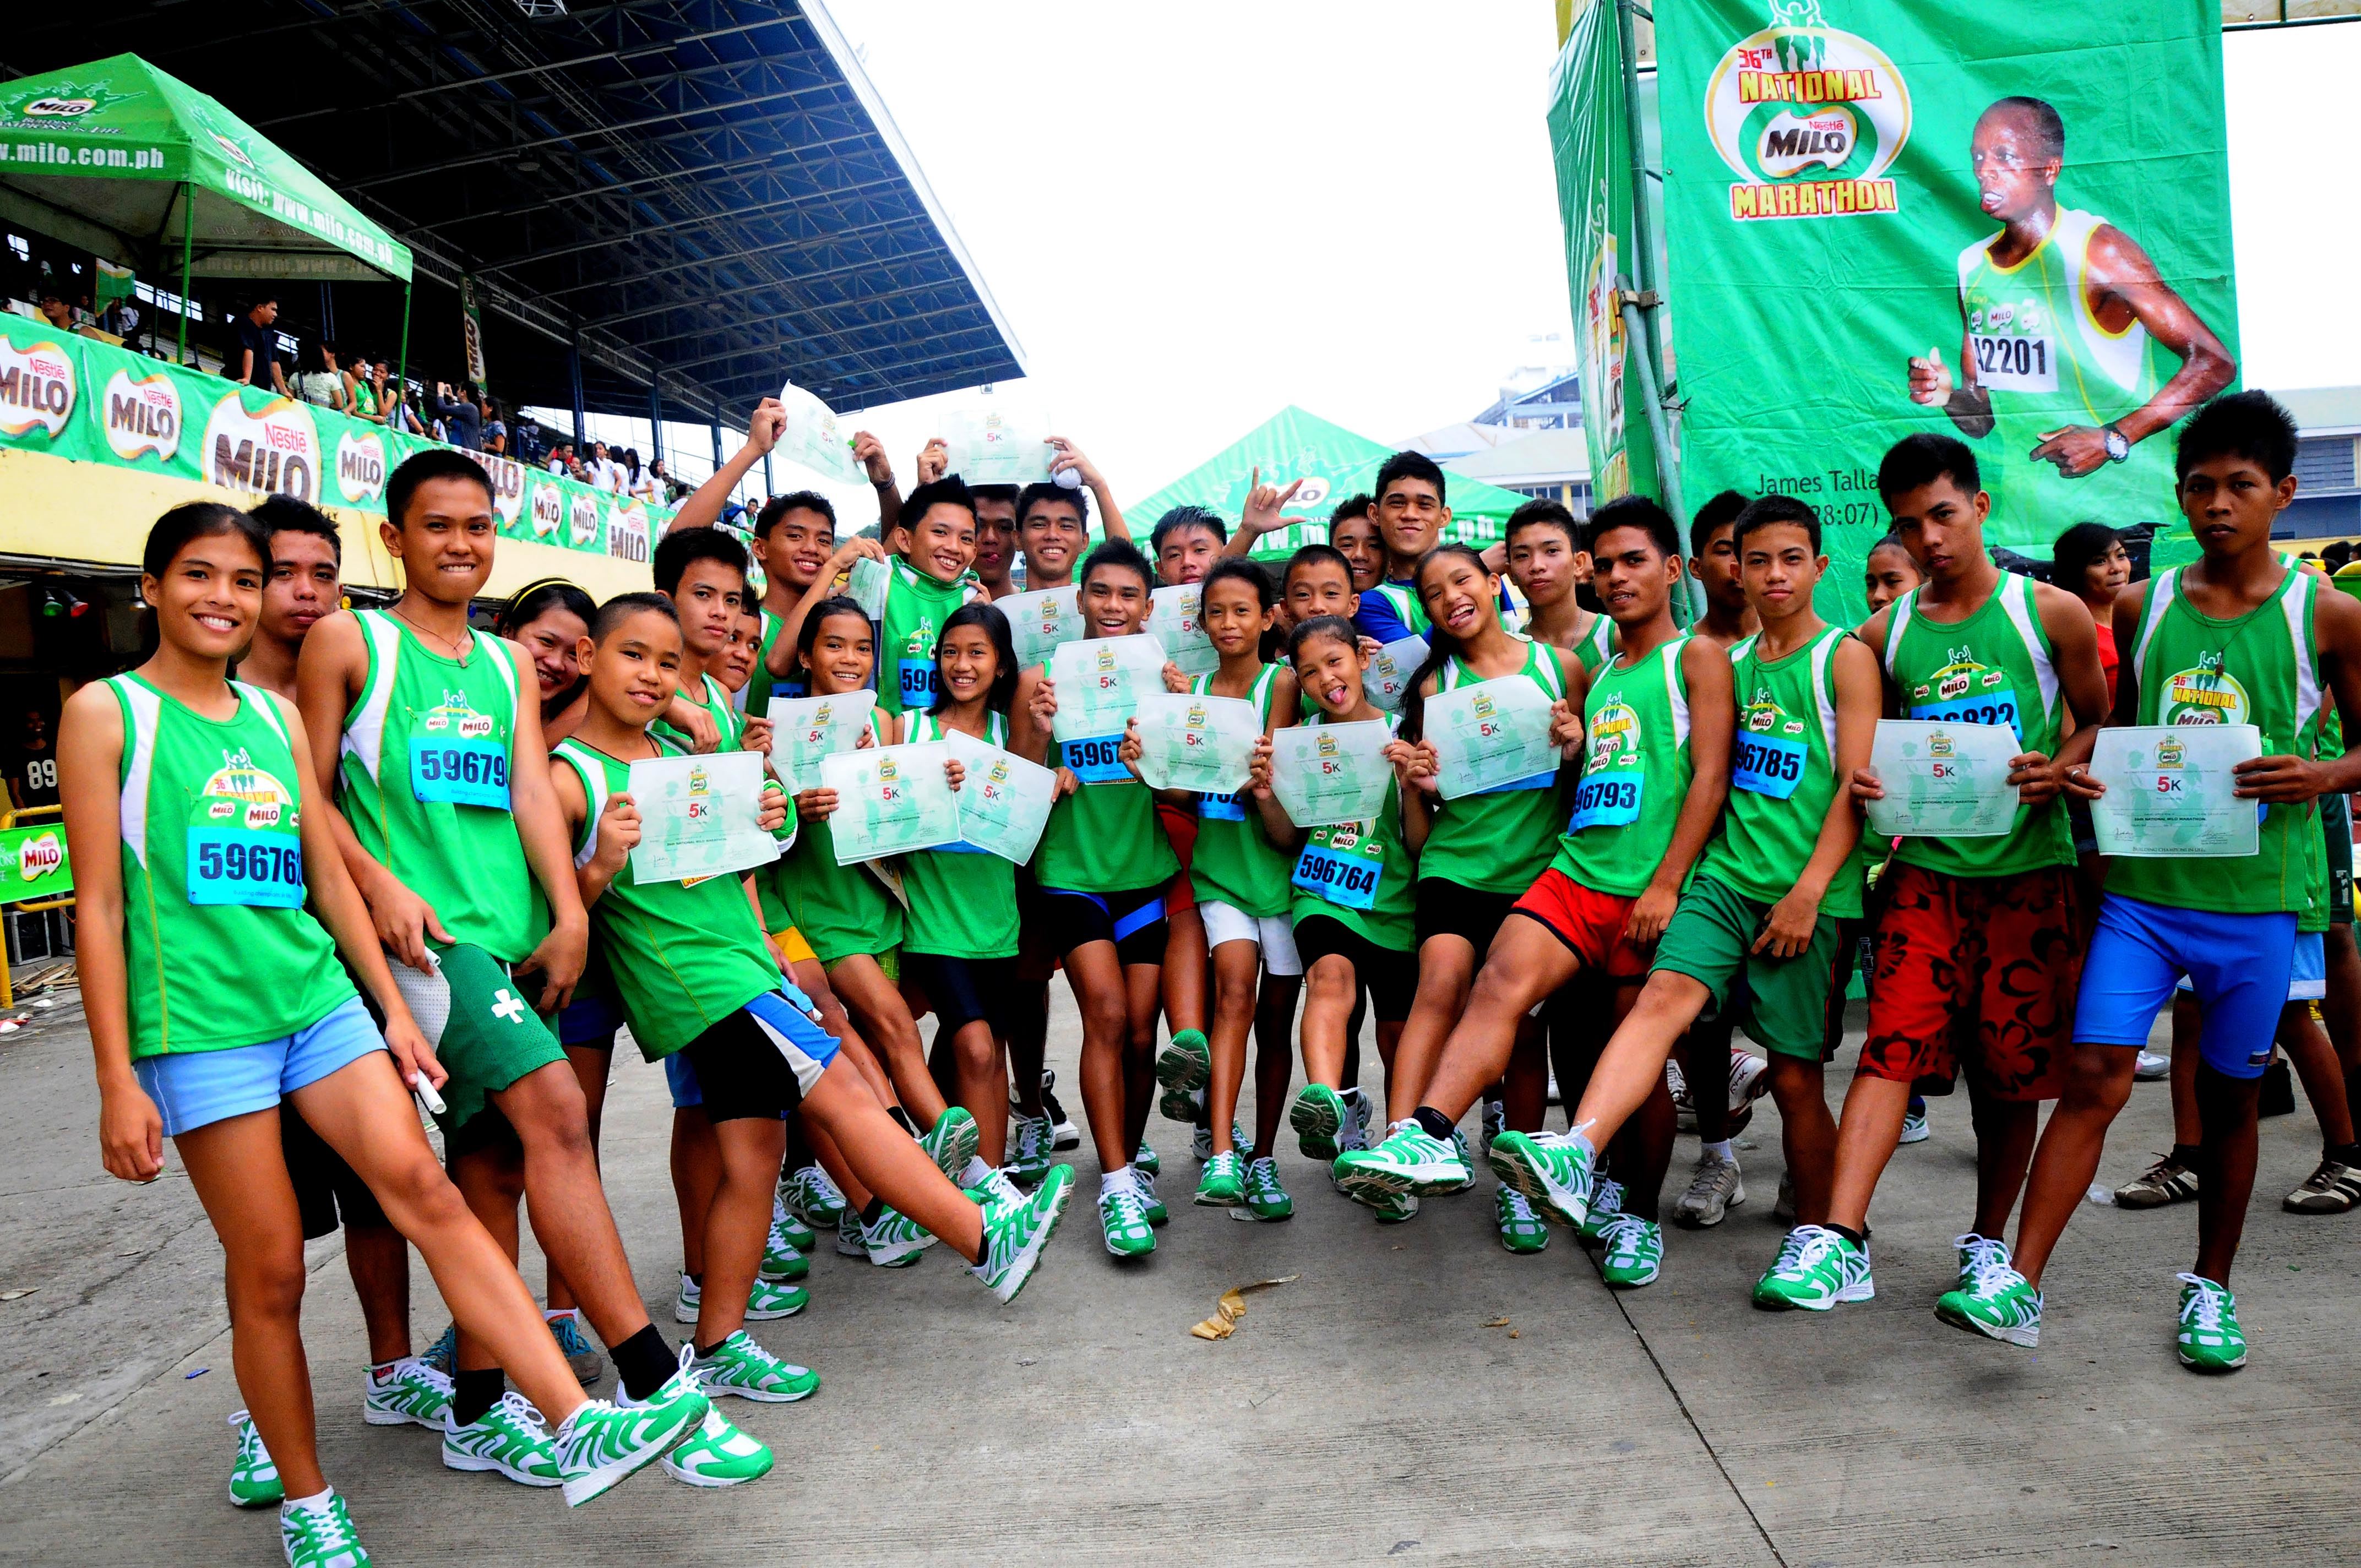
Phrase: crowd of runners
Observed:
(329, 858)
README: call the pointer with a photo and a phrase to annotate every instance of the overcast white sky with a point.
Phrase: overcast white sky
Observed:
(1351, 207)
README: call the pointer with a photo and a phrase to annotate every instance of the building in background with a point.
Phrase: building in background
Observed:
(1530, 440)
(2327, 500)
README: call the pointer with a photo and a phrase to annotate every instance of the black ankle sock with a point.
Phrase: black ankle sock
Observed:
(902, 1116)
(705, 1352)
(1857, 1238)
(870, 1209)
(473, 1393)
(1438, 1126)
(2346, 1154)
(643, 1361)
(2185, 1155)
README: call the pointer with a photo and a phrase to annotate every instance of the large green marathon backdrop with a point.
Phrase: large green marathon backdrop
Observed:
(77, 398)
(2031, 201)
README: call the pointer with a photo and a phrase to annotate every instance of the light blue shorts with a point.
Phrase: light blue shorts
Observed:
(2239, 965)
(195, 1089)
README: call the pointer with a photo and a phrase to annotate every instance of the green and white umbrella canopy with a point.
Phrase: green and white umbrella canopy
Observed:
(1333, 463)
(141, 168)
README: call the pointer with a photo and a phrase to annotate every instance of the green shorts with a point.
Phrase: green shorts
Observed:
(1707, 939)
(480, 1023)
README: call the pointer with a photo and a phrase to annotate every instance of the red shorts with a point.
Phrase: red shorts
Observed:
(1181, 828)
(1978, 972)
(1588, 922)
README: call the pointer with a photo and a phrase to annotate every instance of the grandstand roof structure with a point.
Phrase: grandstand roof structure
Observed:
(704, 194)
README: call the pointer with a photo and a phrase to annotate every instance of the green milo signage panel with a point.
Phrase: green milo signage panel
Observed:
(33, 862)
(2008, 223)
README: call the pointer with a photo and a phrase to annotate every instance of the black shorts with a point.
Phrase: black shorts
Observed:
(1391, 977)
(324, 1185)
(1133, 921)
(1036, 961)
(1448, 909)
(2336, 825)
(742, 1073)
(961, 990)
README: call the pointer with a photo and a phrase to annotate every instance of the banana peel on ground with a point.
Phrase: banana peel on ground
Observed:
(1233, 1306)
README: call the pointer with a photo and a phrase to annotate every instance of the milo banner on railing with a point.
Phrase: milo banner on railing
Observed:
(2010, 223)
(76, 397)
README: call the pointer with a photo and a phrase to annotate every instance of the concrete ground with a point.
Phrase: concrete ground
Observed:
(1372, 1409)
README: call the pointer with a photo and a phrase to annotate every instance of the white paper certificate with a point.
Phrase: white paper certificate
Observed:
(1003, 802)
(813, 439)
(806, 728)
(865, 586)
(699, 817)
(1199, 743)
(2168, 790)
(1489, 734)
(1172, 619)
(1389, 672)
(1098, 681)
(997, 446)
(1038, 622)
(1942, 780)
(1326, 773)
(889, 801)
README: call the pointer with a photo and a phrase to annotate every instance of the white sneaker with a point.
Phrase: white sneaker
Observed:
(1354, 1134)
(1495, 1116)
(2149, 1066)
(1714, 1187)
(1750, 1079)
(1678, 1083)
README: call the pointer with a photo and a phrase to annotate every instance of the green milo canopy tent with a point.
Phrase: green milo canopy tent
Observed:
(1333, 463)
(143, 168)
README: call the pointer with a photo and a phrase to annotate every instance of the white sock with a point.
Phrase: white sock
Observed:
(1581, 1137)
(549, 1316)
(1109, 1180)
(315, 1502)
(1721, 1151)
(976, 1171)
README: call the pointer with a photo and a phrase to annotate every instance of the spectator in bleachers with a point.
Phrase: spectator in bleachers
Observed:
(317, 379)
(254, 357)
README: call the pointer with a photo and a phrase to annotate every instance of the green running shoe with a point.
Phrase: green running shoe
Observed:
(253, 1479)
(511, 1438)
(1031, 1151)
(1606, 1208)
(997, 1188)
(1221, 1184)
(581, 1356)
(895, 1241)
(1390, 1208)
(1266, 1199)
(738, 1365)
(2210, 1339)
(1317, 1116)
(1017, 1229)
(783, 1259)
(1467, 1177)
(1408, 1161)
(1183, 1068)
(445, 1350)
(1520, 1230)
(1635, 1252)
(792, 1231)
(1147, 1160)
(410, 1391)
(1150, 1205)
(1815, 1269)
(812, 1198)
(319, 1535)
(1123, 1216)
(1993, 1298)
(950, 1141)
(768, 1303)
(1554, 1173)
(600, 1444)
(718, 1455)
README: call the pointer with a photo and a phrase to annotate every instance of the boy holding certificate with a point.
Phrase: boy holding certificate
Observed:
(1979, 940)
(1103, 866)
(704, 994)
(2236, 637)
(1655, 770)
(1763, 901)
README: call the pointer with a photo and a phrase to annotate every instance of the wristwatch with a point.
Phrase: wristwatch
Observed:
(2119, 445)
